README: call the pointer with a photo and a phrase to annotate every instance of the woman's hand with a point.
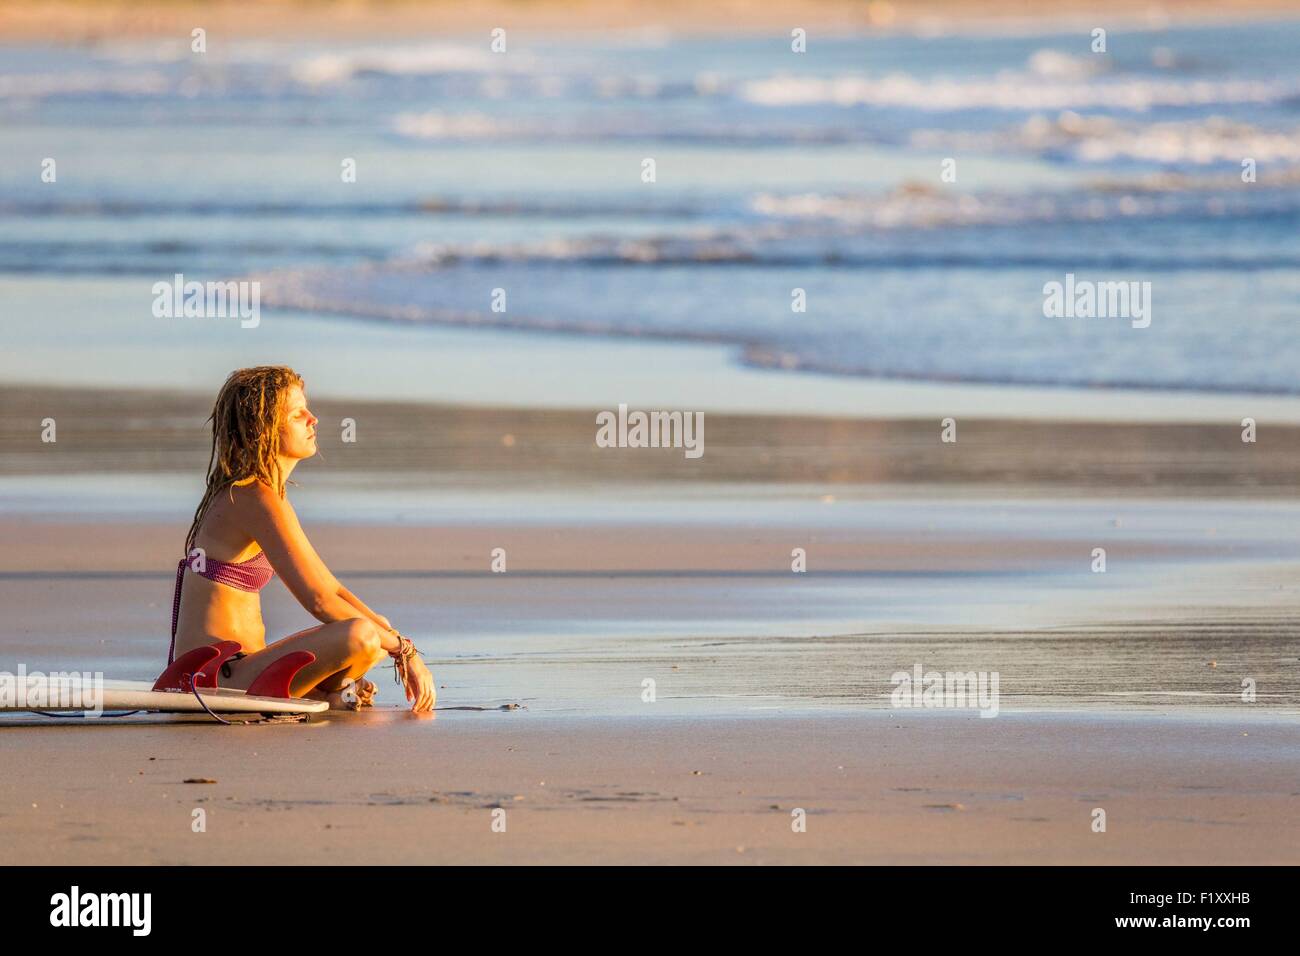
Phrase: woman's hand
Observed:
(419, 685)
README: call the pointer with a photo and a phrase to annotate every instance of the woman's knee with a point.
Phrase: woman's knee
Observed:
(363, 639)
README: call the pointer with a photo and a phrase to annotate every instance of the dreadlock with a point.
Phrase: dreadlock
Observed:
(246, 423)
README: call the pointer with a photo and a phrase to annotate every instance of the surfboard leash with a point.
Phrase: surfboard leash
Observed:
(194, 686)
(125, 713)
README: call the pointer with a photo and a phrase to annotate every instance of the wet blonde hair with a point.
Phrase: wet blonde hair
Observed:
(246, 422)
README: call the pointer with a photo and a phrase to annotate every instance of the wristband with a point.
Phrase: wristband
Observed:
(401, 657)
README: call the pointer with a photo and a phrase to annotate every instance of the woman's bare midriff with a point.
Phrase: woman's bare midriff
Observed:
(216, 612)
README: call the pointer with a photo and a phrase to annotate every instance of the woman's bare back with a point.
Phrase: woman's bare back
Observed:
(210, 611)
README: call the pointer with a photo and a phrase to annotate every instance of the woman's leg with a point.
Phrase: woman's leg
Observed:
(343, 649)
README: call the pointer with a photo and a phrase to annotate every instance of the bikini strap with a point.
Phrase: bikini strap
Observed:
(176, 610)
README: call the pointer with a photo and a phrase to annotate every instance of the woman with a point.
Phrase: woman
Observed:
(245, 532)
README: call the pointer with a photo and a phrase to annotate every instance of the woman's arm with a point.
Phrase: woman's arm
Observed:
(360, 605)
(273, 524)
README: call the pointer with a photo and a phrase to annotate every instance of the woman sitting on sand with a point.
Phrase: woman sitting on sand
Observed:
(245, 532)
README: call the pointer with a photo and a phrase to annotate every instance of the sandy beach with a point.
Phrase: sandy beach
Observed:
(876, 789)
(773, 688)
(126, 430)
(956, 576)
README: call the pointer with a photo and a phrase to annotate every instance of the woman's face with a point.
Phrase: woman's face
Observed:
(298, 433)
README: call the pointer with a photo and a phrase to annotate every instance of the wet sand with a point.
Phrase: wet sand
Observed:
(882, 788)
(1120, 691)
(592, 605)
(132, 431)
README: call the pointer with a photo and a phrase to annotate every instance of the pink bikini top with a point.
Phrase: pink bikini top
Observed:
(251, 575)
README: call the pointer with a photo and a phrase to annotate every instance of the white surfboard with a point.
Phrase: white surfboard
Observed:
(77, 693)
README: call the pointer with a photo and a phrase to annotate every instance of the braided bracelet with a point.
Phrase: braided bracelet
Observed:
(401, 657)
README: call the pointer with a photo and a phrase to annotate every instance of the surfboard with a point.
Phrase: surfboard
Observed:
(177, 690)
(78, 693)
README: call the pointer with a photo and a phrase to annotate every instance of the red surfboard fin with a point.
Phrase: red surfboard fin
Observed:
(275, 680)
(182, 672)
(207, 675)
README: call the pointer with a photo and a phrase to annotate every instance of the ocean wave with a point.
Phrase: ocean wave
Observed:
(498, 76)
(1051, 63)
(1049, 81)
(1106, 139)
(164, 256)
(772, 249)
(25, 86)
(319, 79)
(566, 207)
(331, 69)
(744, 227)
(436, 125)
(989, 328)
(919, 205)
(441, 126)
(764, 356)
(1056, 65)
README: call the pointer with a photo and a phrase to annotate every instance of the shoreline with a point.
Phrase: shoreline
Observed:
(486, 368)
(499, 368)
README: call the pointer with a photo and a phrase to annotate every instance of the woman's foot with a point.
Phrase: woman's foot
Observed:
(352, 695)
(365, 692)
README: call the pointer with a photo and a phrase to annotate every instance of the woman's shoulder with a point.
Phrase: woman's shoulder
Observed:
(258, 494)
